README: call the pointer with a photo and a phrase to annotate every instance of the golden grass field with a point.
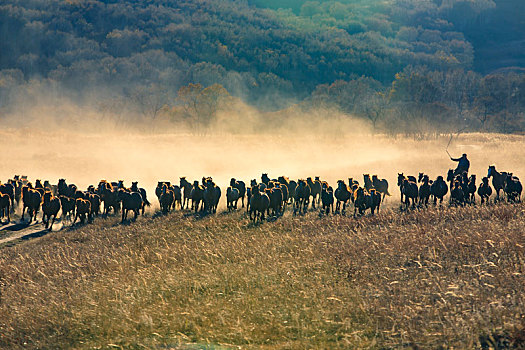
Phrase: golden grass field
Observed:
(434, 278)
(444, 277)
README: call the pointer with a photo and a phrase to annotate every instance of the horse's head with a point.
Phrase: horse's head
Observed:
(47, 196)
(232, 182)
(420, 177)
(366, 177)
(491, 171)
(439, 178)
(400, 178)
(374, 178)
(317, 178)
(450, 175)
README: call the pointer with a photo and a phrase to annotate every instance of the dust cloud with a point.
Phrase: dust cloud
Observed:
(323, 144)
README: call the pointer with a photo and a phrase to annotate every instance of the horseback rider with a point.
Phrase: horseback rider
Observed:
(463, 164)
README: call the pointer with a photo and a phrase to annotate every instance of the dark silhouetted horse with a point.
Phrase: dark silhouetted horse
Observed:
(439, 189)
(342, 194)
(130, 201)
(50, 208)
(498, 180)
(259, 204)
(484, 190)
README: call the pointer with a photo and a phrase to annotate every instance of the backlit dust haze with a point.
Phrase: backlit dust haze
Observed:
(332, 147)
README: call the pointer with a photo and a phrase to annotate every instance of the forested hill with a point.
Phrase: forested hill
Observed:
(257, 50)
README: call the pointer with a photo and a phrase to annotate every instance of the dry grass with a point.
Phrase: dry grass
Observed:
(442, 277)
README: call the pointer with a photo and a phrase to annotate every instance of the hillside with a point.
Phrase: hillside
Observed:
(252, 48)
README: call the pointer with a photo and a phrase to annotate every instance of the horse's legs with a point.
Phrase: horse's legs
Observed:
(52, 222)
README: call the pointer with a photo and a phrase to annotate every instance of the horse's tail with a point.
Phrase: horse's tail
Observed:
(147, 203)
(387, 193)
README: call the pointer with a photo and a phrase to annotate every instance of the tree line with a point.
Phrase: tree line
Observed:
(271, 54)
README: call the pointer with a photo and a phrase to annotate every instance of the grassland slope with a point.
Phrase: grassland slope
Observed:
(438, 277)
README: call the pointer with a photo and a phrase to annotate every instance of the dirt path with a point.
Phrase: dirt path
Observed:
(22, 230)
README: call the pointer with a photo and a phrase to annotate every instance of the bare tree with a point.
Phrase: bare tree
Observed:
(200, 105)
(150, 100)
(374, 106)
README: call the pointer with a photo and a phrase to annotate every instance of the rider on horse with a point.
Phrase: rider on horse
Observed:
(463, 164)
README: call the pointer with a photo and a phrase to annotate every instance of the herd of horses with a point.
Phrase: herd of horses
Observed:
(271, 197)
(267, 198)
(462, 188)
(73, 203)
